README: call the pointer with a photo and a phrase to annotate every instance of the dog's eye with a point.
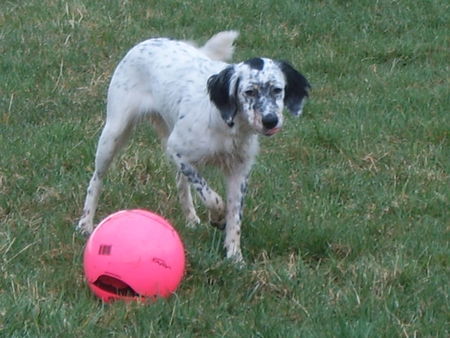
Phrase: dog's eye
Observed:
(251, 92)
(277, 90)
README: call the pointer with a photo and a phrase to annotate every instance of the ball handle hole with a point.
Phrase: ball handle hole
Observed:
(116, 286)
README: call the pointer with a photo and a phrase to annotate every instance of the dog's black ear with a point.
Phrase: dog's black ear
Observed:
(297, 88)
(222, 92)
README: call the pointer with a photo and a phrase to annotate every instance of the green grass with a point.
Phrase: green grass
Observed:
(346, 229)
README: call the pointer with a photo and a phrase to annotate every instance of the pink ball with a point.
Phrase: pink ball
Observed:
(134, 254)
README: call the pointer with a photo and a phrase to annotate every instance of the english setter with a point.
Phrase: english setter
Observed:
(206, 112)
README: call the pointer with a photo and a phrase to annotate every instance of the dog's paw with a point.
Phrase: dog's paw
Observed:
(233, 250)
(236, 258)
(217, 219)
(84, 228)
(192, 221)
(221, 225)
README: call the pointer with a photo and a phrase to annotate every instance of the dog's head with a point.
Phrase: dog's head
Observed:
(257, 90)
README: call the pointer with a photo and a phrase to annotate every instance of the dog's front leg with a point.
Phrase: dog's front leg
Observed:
(236, 190)
(209, 197)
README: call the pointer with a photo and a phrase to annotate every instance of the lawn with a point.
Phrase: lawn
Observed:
(346, 228)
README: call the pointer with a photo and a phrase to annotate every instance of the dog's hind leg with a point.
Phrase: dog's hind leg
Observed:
(184, 193)
(119, 123)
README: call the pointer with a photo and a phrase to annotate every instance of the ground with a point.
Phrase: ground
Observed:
(346, 221)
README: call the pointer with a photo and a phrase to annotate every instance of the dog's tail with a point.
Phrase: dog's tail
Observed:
(220, 46)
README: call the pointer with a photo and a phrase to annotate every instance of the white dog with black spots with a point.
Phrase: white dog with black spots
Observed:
(206, 111)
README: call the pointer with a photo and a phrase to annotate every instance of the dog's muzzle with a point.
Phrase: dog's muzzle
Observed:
(270, 122)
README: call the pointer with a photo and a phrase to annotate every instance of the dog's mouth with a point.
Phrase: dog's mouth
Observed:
(272, 131)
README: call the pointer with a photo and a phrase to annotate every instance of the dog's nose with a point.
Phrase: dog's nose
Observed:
(270, 121)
